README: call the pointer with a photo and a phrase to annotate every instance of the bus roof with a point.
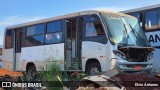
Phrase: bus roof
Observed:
(89, 12)
(141, 9)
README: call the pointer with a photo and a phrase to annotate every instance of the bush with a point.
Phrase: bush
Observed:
(50, 77)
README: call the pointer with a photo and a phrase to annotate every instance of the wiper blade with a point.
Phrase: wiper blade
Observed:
(135, 32)
(126, 35)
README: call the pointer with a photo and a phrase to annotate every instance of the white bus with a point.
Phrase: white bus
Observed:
(149, 18)
(91, 41)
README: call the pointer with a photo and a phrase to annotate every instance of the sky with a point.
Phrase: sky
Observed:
(14, 12)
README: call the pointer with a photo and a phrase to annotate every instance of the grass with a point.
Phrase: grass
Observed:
(58, 78)
(51, 76)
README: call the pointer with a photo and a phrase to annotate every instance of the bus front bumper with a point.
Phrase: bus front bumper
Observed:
(123, 65)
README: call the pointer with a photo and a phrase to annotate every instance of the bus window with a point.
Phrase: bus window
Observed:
(8, 39)
(35, 35)
(18, 39)
(94, 27)
(94, 30)
(34, 30)
(54, 32)
(151, 20)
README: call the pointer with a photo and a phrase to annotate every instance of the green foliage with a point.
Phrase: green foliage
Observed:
(51, 76)
(54, 72)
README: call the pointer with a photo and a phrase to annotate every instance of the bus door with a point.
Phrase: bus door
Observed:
(73, 40)
(17, 48)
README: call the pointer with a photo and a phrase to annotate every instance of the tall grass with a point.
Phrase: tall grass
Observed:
(54, 71)
(51, 76)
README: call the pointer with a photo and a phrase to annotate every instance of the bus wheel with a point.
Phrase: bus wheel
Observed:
(94, 69)
(31, 73)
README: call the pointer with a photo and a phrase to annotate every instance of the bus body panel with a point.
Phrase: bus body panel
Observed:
(8, 59)
(95, 50)
(153, 38)
(43, 55)
(18, 60)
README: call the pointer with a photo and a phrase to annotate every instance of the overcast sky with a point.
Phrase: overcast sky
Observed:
(19, 11)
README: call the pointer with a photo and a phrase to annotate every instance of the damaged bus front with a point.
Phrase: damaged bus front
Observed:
(131, 50)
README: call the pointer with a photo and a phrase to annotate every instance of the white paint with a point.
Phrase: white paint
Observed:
(156, 53)
(91, 50)
(7, 59)
(148, 34)
(42, 55)
(156, 60)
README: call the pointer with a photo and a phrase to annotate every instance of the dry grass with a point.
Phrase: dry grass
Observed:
(4, 72)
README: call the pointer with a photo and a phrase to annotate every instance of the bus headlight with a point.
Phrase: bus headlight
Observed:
(119, 54)
(150, 56)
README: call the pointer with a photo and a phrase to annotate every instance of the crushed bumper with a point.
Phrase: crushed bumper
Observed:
(123, 65)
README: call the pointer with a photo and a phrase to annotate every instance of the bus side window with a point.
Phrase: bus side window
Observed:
(8, 39)
(93, 29)
(54, 32)
(151, 20)
(18, 39)
(35, 35)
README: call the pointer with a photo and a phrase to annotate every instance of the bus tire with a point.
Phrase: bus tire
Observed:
(31, 72)
(94, 69)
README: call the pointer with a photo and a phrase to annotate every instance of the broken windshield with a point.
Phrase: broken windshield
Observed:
(120, 29)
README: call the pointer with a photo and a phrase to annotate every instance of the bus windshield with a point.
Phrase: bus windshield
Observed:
(125, 30)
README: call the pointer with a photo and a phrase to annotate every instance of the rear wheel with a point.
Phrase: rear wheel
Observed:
(94, 69)
(31, 73)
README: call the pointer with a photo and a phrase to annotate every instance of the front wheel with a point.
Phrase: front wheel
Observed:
(94, 69)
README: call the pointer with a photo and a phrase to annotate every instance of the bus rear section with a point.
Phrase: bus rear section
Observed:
(91, 41)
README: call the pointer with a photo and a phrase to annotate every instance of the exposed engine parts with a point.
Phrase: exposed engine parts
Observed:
(136, 54)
